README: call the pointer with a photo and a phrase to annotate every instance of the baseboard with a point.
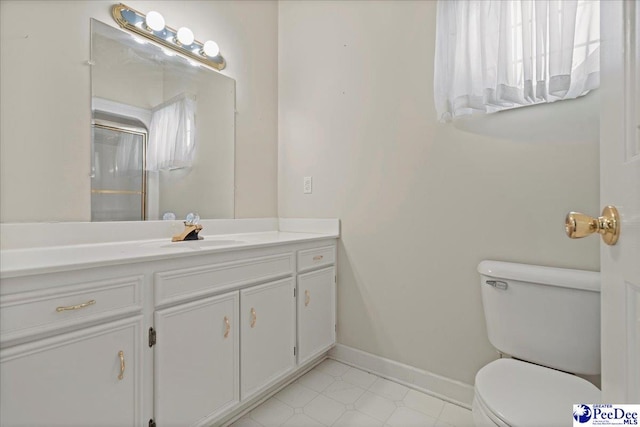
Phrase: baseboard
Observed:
(438, 386)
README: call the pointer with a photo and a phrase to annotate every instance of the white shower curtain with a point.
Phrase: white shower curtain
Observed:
(172, 138)
(497, 54)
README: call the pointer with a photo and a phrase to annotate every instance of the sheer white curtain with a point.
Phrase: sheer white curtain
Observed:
(497, 54)
(172, 134)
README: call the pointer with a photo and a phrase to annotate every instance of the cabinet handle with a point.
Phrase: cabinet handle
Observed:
(318, 257)
(227, 326)
(253, 317)
(121, 355)
(307, 297)
(76, 307)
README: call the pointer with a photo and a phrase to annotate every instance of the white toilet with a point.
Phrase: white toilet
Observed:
(548, 320)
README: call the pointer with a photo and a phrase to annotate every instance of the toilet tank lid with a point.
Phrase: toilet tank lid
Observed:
(553, 276)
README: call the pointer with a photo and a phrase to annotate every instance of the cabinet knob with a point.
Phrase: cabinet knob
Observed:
(227, 326)
(254, 318)
(307, 297)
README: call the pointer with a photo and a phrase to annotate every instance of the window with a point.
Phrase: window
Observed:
(493, 55)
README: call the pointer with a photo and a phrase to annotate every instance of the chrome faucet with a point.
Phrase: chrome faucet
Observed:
(191, 229)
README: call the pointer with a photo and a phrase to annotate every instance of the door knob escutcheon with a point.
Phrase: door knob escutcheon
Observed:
(579, 225)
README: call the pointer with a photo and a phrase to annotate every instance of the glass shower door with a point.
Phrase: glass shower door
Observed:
(118, 184)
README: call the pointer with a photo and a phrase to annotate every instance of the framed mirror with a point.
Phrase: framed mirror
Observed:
(163, 129)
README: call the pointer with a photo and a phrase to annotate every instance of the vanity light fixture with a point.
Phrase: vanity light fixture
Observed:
(152, 26)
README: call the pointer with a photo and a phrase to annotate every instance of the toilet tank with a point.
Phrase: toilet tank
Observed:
(545, 315)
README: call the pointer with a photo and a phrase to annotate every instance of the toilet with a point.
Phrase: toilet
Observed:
(546, 322)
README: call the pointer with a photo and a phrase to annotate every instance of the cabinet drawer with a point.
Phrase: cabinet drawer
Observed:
(40, 312)
(180, 285)
(318, 257)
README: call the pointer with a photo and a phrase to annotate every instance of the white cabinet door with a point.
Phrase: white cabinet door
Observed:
(196, 360)
(267, 322)
(316, 313)
(88, 377)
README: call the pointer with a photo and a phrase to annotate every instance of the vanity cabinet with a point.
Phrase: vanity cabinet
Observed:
(86, 377)
(178, 341)
(267, 335)
(196, 360)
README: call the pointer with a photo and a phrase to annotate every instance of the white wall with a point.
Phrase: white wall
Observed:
(421, 202)
(45, 102)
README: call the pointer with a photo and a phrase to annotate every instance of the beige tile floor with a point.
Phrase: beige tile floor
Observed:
(334, 394)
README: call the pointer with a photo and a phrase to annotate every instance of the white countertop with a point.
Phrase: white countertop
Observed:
(93, 248)
(20, 262)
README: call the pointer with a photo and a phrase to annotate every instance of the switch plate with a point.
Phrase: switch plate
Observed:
(307, 185)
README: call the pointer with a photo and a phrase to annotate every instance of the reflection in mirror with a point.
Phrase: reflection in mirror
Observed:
(118, 173)
(163, 132)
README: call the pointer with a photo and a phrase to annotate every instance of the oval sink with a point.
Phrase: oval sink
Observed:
(201, 244)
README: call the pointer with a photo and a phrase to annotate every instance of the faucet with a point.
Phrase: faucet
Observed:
(191, 229)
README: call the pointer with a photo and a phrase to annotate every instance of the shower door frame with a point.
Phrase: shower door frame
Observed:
(118, 127)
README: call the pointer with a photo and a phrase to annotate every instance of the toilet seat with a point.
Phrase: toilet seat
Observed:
(523, 394)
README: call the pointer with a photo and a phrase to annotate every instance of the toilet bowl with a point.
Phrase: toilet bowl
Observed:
(511, 392)
(549, 319)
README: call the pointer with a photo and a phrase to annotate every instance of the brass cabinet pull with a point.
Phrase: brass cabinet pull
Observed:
(227, 326)
(121, 355)
(254, 318)
(76, 307)
(307, 298)
(579, 225)
(318, 257)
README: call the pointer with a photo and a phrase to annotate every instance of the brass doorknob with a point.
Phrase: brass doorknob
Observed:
(579, 225)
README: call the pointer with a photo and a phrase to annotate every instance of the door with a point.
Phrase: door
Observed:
(76, 379)
(620, 186)
(196, 374)
(316, 313)
(118, 176)
(267, 321)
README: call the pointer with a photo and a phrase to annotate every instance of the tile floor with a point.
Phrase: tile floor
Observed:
(334, 394)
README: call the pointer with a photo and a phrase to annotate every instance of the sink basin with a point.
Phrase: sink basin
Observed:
(191, 245)
(201, 244)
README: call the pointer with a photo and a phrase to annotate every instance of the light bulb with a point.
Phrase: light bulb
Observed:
(155, 21)
(185, 36)
(210, 48)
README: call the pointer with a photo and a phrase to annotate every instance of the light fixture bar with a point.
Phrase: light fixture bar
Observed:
(136, 22)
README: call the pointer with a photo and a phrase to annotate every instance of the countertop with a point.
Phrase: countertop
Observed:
(39, 260)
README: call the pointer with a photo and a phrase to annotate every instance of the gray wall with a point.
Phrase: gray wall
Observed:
(421, 202)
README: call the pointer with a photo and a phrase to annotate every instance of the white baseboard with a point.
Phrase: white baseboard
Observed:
(438, 386)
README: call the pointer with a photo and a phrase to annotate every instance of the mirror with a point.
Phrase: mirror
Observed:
(163, 130)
